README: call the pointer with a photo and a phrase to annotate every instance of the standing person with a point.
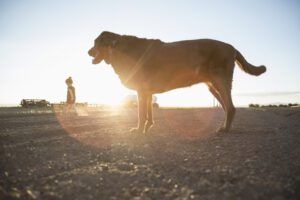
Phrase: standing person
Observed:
(71, 97)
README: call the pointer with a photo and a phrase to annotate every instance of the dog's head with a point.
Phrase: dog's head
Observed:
(103, 42)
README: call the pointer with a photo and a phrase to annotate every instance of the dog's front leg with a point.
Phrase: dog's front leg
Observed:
(142, 112)
(149, 122)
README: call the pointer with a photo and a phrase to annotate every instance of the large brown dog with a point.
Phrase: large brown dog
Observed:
(152, 66)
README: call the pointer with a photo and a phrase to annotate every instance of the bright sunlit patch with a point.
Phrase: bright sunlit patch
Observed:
(195, 96)
(101, 85)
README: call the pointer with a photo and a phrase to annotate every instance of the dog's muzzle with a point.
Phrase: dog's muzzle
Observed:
(92, 52)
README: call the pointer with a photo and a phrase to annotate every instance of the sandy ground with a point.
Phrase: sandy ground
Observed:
(44, 155)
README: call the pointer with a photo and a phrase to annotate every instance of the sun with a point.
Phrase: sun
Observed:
(115, 95)
(101, 85)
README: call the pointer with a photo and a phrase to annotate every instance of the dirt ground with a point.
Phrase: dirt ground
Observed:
(47, 155)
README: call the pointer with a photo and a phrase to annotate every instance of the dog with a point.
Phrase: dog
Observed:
(151, 66)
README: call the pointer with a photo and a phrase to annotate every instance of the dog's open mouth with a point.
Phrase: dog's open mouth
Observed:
(97, 58)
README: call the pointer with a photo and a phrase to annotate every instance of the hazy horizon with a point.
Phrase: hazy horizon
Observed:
(213, 101)
(43, 43)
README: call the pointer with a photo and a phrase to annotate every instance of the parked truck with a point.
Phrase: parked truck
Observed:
(40, 103)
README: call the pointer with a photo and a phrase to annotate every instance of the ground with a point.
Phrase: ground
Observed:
(48, 155)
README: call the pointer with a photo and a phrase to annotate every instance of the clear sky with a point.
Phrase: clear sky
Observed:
(44, 42)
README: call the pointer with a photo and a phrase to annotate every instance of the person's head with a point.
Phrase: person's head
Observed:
(69, 81)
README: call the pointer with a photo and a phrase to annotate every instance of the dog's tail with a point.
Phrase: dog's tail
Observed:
(247, 67)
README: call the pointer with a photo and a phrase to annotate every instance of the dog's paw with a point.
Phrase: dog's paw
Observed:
(136, 130)
(222, 130)
(148, 126)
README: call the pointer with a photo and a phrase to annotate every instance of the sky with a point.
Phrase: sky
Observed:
(44, 42)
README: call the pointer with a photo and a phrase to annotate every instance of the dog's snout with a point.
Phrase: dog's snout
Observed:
(92, 52)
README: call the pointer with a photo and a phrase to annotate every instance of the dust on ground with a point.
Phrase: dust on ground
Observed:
(48, 155)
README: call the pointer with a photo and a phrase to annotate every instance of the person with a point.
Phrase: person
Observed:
(71, 96)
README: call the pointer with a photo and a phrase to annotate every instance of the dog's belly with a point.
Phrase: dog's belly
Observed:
(162, 82)
(165, 82)
(165, 78)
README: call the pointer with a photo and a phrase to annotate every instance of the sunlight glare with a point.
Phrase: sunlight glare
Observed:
(105, 86)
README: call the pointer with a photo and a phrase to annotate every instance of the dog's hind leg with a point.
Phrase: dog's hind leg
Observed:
(215, 93)
(142, 112)
(223, 86)
(149, 122)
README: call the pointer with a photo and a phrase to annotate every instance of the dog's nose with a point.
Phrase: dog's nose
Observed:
(92, 52)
